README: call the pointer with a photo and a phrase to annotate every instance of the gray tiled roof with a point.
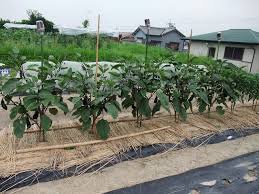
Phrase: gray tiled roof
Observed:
(155, 31)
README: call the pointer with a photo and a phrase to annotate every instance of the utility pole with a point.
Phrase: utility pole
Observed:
(41, 30)
(147, 24)
(219, 38)
(97, 48)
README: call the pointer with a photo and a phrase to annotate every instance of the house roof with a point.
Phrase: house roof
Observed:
(155, 31)
(243, 36)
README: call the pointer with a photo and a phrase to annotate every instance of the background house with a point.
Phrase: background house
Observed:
(164, 37)
(238, 46)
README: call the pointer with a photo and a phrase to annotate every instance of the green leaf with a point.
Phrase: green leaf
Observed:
(10, 85)
(230, 91)
(62, 106)
(19, 126)
(14, 112)
(86, 125)
(156, 108)
(45, 122)
(84, 114)
(127, 102)
(103, 129)
(144, 108)
(112, 110)
(202, 95)
(164, 99)
(176, 102)
(31, 102)
(53, 111)
(202, 106)
(220, 110)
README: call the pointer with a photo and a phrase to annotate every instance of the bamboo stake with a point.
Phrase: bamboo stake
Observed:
(89, 142)
(189, 47)
(97, 48)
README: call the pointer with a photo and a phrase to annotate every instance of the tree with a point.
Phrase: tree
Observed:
(34, 15)
(85, 23)
(2, 22)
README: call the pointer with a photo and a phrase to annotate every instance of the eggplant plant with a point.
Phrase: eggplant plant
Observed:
(31, 96)
(95, 98)
(137, 84)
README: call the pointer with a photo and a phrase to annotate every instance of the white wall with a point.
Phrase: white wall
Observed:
(201, 49)
(255, 67)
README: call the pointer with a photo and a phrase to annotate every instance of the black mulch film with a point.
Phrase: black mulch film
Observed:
(235, 176)
(45, 175)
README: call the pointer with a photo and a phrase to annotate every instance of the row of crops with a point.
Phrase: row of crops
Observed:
(143, 89)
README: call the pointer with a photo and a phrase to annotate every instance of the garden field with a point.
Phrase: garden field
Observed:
(117, 111)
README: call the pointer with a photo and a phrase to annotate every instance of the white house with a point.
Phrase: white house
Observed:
(238, 46)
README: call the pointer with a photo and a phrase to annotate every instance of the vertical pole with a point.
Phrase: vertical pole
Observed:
(189, 47)
(147, 45)
(218, 50)
(41, 48)
(97, 47)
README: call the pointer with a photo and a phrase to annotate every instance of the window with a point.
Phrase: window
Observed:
(173, 45)
(234, 53)
(212, 51)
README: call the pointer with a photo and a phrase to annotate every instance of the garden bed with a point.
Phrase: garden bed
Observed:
(26, 161)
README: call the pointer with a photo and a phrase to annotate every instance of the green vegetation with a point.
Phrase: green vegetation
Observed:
(70, 48)
(141, 88)
(168, 80)
(82, 47)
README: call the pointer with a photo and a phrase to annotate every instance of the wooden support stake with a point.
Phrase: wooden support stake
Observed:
(89, 142)
(97, 47)
(189, 47)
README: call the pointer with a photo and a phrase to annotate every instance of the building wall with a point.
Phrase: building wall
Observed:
(140, 35)
(255, 67)
(167, 38)
(173, 37)
(202, 49)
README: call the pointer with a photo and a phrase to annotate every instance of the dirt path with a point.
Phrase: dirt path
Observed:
(142, 170)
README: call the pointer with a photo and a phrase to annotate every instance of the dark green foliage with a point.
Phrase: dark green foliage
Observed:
(143, 89)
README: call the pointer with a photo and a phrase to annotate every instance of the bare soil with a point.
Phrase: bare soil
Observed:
(141, 170)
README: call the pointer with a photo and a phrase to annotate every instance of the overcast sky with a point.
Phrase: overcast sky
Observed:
(119, 15)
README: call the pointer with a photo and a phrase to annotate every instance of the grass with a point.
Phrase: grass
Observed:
(80, 48)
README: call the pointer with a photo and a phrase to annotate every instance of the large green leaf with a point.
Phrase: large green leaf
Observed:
(202, 106)
(201, 94)
(127, 102)
(10, 85)
(45, 122)
(163, 99)
(14, 112)
(144, 108)
(61, 105)
(112, 110)
(30, 102)
(143, 104)
(103, 129)
(19, 126)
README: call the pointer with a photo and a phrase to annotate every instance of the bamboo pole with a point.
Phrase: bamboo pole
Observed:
(97, 47)
(89, 142)
(189, 47)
